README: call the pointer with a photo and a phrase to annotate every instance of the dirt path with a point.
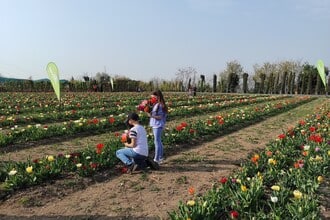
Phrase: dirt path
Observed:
(152, 194)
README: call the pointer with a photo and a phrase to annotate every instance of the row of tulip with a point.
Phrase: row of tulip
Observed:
(37, 132)
(15, 175)
(11, 99)
(228, 120)
(280, 182)
(74, 114)
(22, 103)
(28, 112)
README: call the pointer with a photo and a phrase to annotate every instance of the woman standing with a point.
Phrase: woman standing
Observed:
(157, 122)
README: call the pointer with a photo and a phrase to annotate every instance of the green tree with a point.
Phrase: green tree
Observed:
(231, 75)
(287, 70)
(245, 84)
(309, 73)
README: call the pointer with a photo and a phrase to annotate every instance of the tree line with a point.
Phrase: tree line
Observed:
(287, 77)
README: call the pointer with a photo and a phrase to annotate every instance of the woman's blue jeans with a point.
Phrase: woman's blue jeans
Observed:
(158, 144)
(128, 156)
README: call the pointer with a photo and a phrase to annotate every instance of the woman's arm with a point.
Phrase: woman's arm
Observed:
(158, 117)
(132, 144)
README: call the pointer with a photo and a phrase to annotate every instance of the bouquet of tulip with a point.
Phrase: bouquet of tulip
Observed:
(145, 106)
(125, 137)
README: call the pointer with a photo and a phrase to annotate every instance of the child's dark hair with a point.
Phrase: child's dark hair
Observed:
(161, 99)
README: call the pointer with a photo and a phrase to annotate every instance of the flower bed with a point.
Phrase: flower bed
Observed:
(49, 112)
(279, 182)
(114, 122)
(17, 175)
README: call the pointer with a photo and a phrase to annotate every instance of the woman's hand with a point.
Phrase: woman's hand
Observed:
(132, 144)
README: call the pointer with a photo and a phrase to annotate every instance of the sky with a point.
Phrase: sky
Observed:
(148, 39)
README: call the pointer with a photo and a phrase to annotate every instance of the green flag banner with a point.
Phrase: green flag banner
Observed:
(320, 69)
(111, 81)
(54, 78)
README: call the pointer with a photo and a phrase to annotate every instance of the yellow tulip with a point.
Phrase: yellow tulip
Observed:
(243, 188)
(318, 158)
(271, 161)
(191, 203)
(320, 179)
(276, 188)
(297, 194)
(29, 169)
(50, 158)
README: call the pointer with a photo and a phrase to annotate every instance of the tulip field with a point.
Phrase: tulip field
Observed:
(288, 178)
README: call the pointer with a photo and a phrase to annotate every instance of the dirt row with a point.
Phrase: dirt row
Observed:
(112, 195)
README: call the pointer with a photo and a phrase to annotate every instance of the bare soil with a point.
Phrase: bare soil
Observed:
(113, 195)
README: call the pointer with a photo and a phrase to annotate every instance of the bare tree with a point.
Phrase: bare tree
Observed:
(264, 77)
(185, 74)
(156, 82)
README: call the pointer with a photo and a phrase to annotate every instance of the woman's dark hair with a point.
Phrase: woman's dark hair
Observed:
(161, 99)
